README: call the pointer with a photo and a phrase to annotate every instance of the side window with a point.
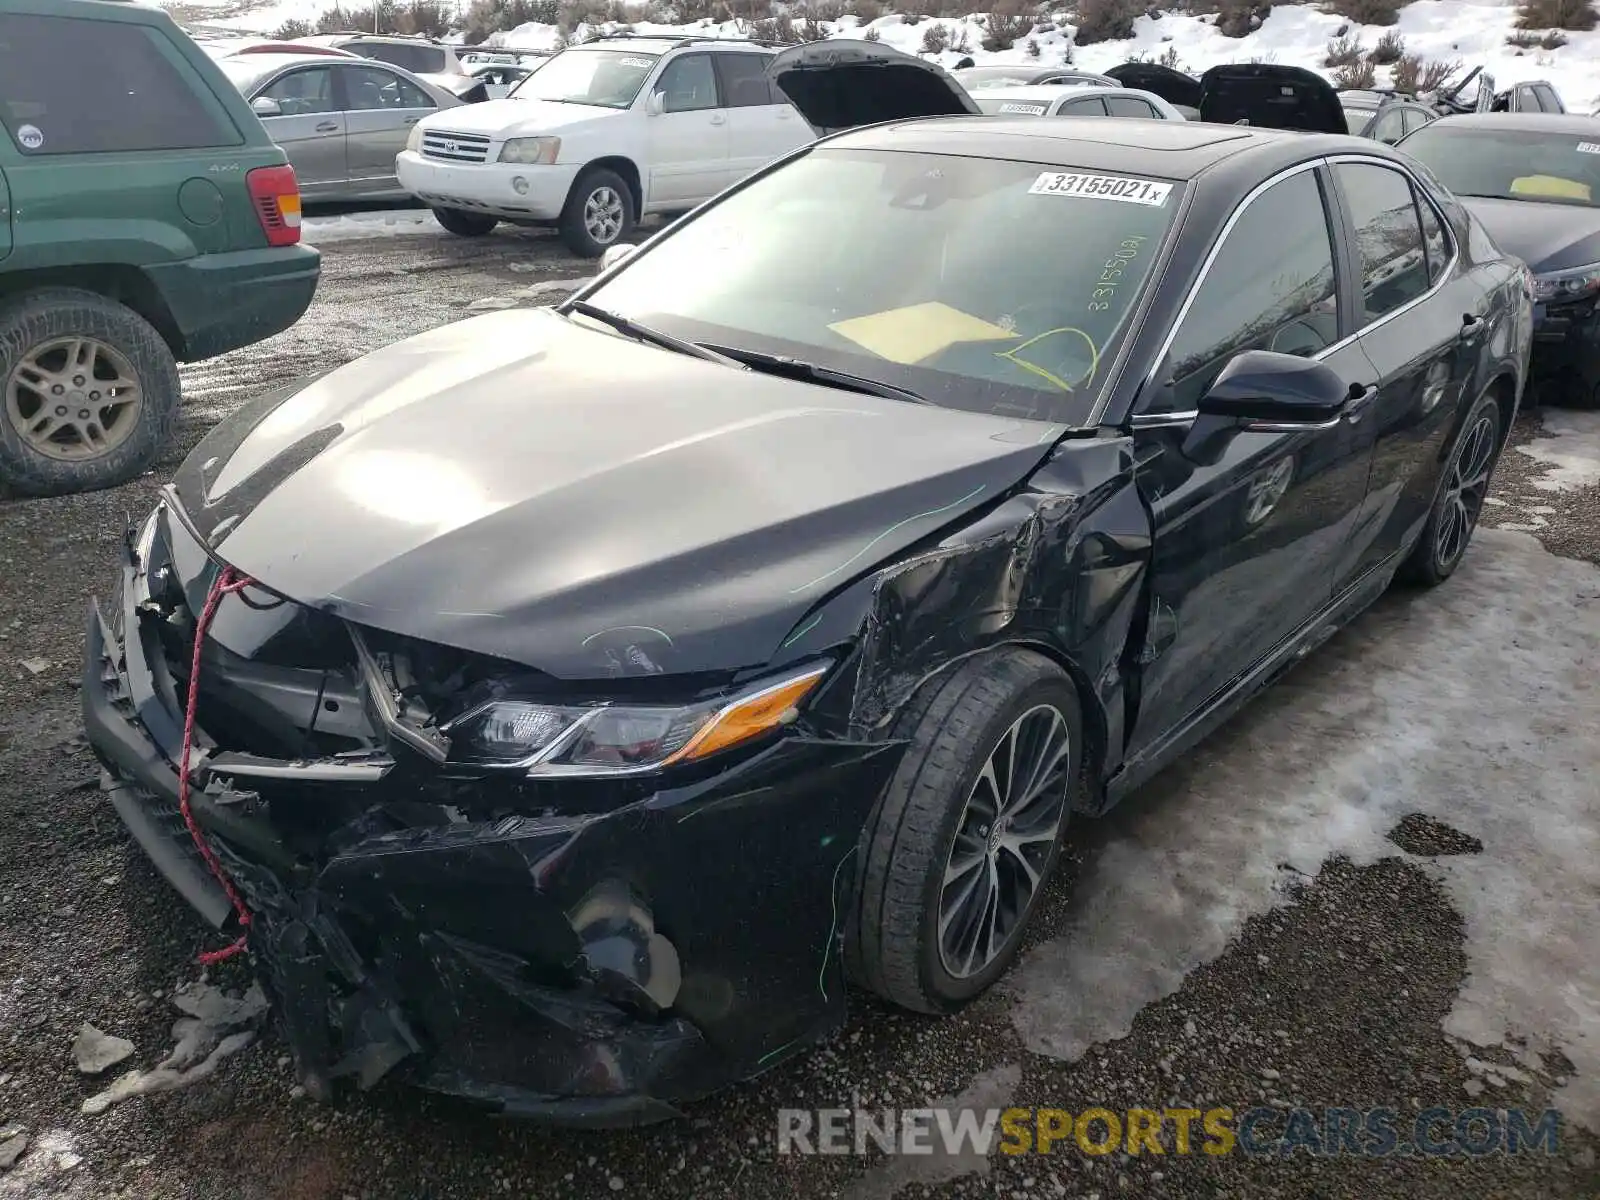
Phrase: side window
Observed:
(139, 93)
(374, 88)
(1090, 106)
(1270, 287)
(1389, 127)
(1548, 98)
(1130, 106)
(1526, 100)
(424, 60)
(1383, 213)
(1415, 118)
(1435, 243)
(744, 80)
(689, 84)
(302, 93)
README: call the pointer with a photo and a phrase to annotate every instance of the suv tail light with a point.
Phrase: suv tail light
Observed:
(276, 194)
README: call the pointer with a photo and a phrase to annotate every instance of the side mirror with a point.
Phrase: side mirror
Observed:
(266, 106)
(614, 255)
(1267, 388)
(655, 104)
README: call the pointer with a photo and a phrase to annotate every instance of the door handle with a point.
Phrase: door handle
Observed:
(412, 120)
(328, 127)
(1361, 395)
(1471, 326)
(719, 119)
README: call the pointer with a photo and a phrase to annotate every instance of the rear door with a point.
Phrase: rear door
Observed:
(1420, 324)
(309, 126)
(688, 138)
(762, 125)
(380, 107)
(5, 216)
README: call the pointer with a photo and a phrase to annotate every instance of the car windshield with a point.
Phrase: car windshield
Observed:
(993, 286)
(1511, 164)
(604, 78)
(243, 73)
(993, 77)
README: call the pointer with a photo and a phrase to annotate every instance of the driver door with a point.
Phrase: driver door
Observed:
(688, 137)
(1249, 527)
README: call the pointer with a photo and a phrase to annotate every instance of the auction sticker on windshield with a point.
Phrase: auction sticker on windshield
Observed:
(638, 62)
(1589, 147)
(1102, 187)
(1033, 110)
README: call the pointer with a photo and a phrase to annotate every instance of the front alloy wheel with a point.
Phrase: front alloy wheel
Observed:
(1004, 841)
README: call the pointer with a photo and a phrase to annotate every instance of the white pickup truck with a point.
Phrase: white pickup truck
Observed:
(601, 134)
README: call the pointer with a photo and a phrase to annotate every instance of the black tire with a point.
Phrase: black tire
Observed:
(892, 938)
(29, 323)
(579, 229)
(465, 224)
(1439, 550)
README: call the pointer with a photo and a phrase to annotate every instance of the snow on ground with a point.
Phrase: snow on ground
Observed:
(1293, 34)
(1510, 645)
(320, 231)
(1572, 451)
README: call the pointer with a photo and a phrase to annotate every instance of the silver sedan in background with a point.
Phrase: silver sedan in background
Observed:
(340, 120)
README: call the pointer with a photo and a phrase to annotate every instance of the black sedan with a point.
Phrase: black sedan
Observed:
(562, 705)
(1533, 179)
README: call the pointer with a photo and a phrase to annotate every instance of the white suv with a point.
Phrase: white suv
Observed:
(601, 134)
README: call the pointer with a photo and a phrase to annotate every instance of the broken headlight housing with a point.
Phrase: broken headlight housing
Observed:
(599, 739)
(1562, 287)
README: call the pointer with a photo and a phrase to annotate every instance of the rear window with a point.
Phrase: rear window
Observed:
(139, 93)
(420, 60)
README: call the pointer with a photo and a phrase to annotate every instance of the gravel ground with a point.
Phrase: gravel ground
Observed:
(1224, 939)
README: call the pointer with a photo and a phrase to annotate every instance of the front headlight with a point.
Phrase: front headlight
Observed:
(1561, 287)
(413, 139)
(531, 152)
(622, 739)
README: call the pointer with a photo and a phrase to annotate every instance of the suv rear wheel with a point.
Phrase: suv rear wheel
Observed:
(464, 224)
(599, 213)
(89, 392)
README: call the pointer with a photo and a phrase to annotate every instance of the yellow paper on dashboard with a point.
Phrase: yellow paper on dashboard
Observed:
(1551, 185)
(909, 335)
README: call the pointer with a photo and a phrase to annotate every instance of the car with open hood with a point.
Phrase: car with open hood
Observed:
(1533, 180)
(1263, 94)
(562, 704)
(976, 79)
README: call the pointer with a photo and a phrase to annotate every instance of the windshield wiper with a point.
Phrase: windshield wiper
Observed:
(795, 368)
(643, 333)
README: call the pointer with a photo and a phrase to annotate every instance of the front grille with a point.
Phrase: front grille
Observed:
(455, 147)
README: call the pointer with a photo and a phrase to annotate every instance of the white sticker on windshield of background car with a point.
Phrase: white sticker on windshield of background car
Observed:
(1102, 187)
(638, 62)
(1033, 110)
(1589, 147)
(30, 137)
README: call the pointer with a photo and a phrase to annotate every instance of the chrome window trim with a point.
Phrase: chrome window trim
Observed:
(1418, 190)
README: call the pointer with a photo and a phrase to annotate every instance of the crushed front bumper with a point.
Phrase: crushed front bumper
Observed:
(598, 965)
(1566, 350)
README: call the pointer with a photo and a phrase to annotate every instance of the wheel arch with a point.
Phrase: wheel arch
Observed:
(623, 166)
(127, 285)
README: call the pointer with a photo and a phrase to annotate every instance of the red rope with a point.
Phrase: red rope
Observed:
(227, 583)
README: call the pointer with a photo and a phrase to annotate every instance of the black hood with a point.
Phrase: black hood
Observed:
(1548, 237)
(1171, 85)
(838, 84)
(519, 485)
(1271, 97)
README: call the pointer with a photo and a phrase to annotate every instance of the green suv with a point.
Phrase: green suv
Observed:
(146, 218)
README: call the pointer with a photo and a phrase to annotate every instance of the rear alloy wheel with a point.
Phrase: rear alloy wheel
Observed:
(1467, 475)
(89, 393)
(599, 213)
(464, 224)
(957, 853)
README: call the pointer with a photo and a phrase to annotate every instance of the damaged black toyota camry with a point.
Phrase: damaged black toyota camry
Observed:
(560, 706)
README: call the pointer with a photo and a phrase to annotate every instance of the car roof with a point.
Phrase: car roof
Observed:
(1048, 91)
(660, 45)
(1129, 145)
(1525, 122)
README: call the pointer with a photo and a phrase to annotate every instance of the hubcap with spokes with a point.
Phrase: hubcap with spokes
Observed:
(1465, 490)
(1004, 839)
(602, 214)
(73, 398)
